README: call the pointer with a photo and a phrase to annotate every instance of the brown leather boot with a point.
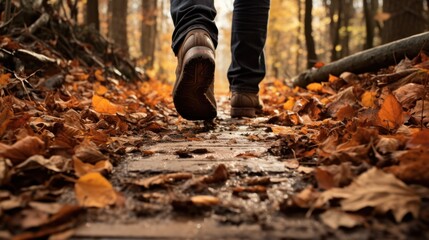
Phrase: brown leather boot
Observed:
(244, 104)
(193, 93)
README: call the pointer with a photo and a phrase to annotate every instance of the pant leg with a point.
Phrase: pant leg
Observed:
(249, 33)
(190, 14)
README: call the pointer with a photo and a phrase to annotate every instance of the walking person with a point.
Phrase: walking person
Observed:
(194, 43)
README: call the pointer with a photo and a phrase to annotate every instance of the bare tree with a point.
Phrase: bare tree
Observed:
(118, 23)
(92, 17)
(309, 40)
(149, 31)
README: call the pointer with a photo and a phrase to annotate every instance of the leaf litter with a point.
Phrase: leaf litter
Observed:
(357, 145)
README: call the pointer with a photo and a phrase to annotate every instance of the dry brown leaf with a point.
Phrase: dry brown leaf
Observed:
(220, 174)
(249, 189)
(315, 87)
(335, 219)
(291, 163)
(419, 139)
(391, 115)
(408, 94)
(282, 130)
(81, 168)
(413, 166)
(93, 190)
(55, 163)
(5, 117)
(88, 153)
(162, 179)
(421, 112)
(249, 154)
(305, 198)
(377, 189)
(22, 149)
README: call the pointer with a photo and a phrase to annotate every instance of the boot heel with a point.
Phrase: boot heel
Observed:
(243, 112)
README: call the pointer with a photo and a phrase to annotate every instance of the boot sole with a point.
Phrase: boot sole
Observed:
(197, 74)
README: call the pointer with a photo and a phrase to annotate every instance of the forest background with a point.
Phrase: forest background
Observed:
(302, 33)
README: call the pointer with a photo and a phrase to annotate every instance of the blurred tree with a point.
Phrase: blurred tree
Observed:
(118, 23)
(406, 18)
(370, 8)
(149, 31)
(92, 17)
(308, 29)
(298, 39)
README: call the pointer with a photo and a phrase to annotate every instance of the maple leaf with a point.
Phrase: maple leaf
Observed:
(93, 190)
(378, 189)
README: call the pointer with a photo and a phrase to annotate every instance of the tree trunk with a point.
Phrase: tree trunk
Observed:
(337, 7)
(345, 39)
(149, 31)
(298, 39)
(118, 23)
(368, 60)
(309, 40)
(369, 24)
(406, 19)
(92, 17)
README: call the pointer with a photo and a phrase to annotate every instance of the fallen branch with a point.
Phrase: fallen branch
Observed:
(368, 60)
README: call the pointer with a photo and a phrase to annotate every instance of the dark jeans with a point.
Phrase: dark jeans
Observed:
(248, 35)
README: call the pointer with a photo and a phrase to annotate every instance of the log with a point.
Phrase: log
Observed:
(368, 60)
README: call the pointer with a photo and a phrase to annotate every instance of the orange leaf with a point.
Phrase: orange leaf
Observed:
(333, 79)
(103, 105)
(100, 89)
(368, 99)
(391, 115)
(82, 168)
(5, 116)
(288, 105)
(99, 75)
(93, 190)
(315, 87)
(4, 79)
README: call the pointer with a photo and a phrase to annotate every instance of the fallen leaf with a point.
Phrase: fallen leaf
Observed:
(220, 174)
(419, 139)
(377, 189)
(4, 79)
(335, 219)
(288, 105)
(93, 190)
(413, 166)
(258, 181)
(162, 179)
(99, 75)
(315, 87)
(421, 112)
(249, 189)
(22, 149)
(368, 99)
(81, 168)
(102, 105)
(249, 154)
(291, 163)
(408, 94)
(88, 153)
(5, 117)
(282, 130)
(391, 115)
(205, 200)
(100, 89)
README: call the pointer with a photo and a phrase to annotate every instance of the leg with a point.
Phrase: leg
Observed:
(194, 41)
(249, 32)
(192, 14)
(247, 69)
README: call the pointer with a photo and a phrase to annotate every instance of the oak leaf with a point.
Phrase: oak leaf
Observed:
(93, 190)
(377, 189)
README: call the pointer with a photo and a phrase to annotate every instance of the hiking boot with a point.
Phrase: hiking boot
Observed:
(193, 93)
(245, 104)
